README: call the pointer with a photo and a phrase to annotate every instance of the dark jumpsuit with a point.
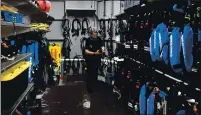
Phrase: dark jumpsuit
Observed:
(93, 62)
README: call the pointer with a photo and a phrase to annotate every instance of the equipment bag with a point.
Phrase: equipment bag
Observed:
(164, 42)
(175, 49)
(157, 39)
(187, 46)
(151, 46)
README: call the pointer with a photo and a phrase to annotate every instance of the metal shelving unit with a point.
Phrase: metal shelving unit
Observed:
(8, 28)
(31, 14)
(18, 58)
(29, 9)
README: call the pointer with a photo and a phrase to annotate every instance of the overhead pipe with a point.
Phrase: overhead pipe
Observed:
(104, 11)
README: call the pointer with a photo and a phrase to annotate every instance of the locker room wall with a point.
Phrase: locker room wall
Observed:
(88, 5)
(56, 31)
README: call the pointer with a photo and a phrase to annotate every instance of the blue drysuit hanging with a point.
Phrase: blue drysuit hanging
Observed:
(147, 105)
(151, 101)
(157, 38)
(143, 100)
(187, 46)
(163, 41)
(175, 49)
(199, 35)
(151, 46)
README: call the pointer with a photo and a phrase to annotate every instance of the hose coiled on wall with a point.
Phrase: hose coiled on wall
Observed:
(75, 32)
(85, 29)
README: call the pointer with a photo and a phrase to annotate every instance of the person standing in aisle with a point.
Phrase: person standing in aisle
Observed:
(93, 51)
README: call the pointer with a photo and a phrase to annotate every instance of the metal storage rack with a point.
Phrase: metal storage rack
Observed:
(31, 13)
(129, 10)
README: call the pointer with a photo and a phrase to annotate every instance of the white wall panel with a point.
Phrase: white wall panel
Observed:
(81, 4)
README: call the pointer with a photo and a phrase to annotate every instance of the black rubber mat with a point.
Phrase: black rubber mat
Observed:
(67, 100)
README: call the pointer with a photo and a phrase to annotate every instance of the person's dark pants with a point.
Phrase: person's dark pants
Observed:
(92, 74)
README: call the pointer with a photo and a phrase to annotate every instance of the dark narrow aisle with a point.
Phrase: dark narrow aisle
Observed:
(67, 100)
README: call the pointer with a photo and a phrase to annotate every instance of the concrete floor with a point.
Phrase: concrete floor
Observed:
(66, 99)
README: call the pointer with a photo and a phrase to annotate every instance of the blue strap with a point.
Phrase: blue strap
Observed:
(187, 47)
(181, 112)
(31, 59)
(36, 53)
(151, 46)
(175, 49)
(199, 35)
(177, 9)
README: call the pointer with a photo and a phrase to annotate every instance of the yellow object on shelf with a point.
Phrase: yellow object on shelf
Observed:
(6, 8)
(40, 26)
(15, 71)
(55, 51)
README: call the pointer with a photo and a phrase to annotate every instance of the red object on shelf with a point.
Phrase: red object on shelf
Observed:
(44, 5)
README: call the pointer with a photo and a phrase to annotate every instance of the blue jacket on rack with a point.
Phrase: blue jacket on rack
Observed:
(157, 38)
(151, 46)
(163, 41)
(175, 49)
(187, 47)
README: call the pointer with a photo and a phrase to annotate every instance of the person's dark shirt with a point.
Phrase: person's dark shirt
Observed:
(93, 45)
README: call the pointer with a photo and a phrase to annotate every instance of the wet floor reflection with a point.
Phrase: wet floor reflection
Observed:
(67, 99)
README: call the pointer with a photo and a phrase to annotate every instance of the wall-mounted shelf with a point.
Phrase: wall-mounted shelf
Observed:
(81, 11)
(7, 64)
(27, 8)
(15, 71)
(7, 28)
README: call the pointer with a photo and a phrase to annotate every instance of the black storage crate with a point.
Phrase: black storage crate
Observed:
(13, 89)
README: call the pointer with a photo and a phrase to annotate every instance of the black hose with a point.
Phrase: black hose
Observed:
(82, 45)
(75, 65)
(110, 28)
(85, 29)
(76, 31)
(66, 42)
(66, 35)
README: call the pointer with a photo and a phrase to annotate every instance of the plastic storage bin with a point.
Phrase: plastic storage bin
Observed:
(13, 89)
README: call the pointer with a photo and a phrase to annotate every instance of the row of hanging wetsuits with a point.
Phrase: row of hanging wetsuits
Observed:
(174, 47)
